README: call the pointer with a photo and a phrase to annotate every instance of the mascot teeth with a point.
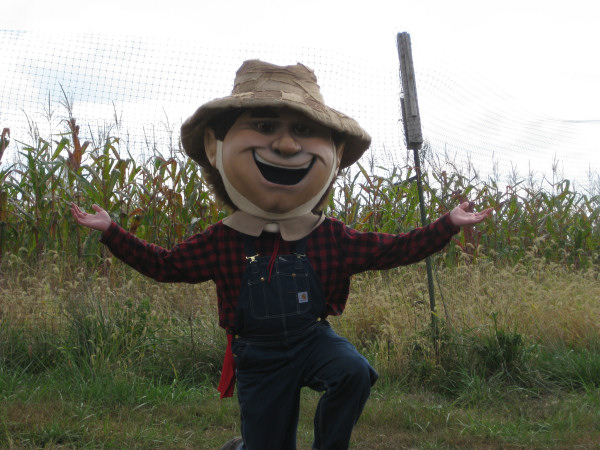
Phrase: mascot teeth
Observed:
(266, 163)
(283, 175)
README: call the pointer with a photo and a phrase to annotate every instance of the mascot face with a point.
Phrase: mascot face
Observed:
(278, 159)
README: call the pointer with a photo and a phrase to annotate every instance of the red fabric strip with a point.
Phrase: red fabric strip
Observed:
(227, 382)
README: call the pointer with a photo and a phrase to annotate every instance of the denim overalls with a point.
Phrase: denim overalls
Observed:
(282, 344)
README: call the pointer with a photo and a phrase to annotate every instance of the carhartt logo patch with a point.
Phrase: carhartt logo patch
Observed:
(302, 297)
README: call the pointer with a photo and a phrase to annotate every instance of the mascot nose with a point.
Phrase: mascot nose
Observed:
(286, 145)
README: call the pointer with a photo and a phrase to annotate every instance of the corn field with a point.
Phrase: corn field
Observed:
(163, 199)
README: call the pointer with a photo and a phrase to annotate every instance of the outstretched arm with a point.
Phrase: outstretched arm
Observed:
(192, 262)
(99, 221)
(460, 216)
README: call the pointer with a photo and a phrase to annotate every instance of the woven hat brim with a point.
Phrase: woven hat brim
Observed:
(356, 139)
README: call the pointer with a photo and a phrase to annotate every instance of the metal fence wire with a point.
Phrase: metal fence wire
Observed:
(142, 88)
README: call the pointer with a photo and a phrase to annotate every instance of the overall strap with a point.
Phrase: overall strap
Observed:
(249, 247)
(301, 246)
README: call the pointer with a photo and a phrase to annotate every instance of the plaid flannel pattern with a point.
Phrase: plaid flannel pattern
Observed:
(335, 251)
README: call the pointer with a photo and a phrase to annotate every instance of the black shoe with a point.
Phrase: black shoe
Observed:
(233, 444)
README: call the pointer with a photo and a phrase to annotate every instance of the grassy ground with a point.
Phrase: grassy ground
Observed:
(50, 412)
(105, 358)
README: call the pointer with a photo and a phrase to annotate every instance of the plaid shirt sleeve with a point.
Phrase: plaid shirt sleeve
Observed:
(190, 261)
(375, 251)
(337, 252)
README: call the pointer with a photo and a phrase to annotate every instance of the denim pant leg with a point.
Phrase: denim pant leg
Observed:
(337, 368)
(268, 386)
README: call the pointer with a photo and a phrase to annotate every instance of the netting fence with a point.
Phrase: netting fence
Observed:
(143, 88)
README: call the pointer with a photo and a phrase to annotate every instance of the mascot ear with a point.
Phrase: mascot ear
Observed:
(210, 146)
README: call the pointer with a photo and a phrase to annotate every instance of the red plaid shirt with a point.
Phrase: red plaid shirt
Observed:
(335, 251)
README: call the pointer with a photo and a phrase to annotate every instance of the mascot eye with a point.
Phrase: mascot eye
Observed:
(264, 126)
(302, 130)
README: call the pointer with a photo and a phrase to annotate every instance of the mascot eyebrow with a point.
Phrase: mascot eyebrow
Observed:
(268, 113)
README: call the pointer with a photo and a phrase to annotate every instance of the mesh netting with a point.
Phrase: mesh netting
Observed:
(141, 89)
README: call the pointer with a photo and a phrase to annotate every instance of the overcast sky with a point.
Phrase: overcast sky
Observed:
(541, 51)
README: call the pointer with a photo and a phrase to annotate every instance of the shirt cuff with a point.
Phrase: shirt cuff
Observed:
(448, 226)
(110, 233)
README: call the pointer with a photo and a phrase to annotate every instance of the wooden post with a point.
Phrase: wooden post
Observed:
(414, 141)
(410, 104)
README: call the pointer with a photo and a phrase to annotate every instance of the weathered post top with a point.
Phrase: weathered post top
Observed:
(410, 104)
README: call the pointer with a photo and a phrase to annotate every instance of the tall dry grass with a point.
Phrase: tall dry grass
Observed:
(495, 321)
(546, 303)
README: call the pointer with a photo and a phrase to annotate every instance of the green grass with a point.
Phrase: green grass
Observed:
(50, 411)
(111, 411)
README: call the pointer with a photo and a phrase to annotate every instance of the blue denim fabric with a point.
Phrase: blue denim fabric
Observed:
(280, 297)
(283, 347)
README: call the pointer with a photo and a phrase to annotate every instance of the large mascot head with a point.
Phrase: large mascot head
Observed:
(272, 149)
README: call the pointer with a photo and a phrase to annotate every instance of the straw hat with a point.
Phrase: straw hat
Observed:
(261, 84)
